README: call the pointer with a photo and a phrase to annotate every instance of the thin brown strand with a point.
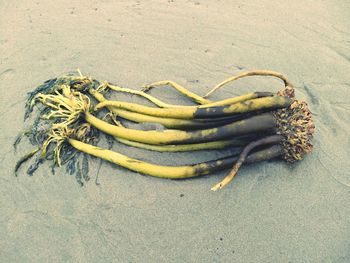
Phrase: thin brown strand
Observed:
(267, 140)
(250, 73)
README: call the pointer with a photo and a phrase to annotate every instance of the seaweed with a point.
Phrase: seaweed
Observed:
(46, 86)
(85, 167)
(34, 166)
(25, 158)
(71, 165)
(78, 174)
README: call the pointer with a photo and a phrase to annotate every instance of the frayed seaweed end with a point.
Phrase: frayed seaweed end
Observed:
(34, 166)
(24, 159)
(43, 88)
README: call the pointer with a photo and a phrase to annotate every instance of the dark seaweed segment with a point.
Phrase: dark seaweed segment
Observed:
(85, 167)
(71, 165)
(43, 88)
(18, 139)
(34, 166)
(256, 124)
(78, 176)
(267, 153)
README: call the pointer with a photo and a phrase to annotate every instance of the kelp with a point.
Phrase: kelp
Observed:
(66, 129)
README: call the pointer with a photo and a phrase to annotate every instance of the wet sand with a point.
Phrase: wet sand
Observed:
(272, 212)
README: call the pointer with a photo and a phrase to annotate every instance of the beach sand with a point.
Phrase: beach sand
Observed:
(272, 212)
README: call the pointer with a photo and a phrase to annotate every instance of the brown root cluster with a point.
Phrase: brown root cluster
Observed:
(297, 127)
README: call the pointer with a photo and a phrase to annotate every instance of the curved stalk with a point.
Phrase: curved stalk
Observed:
(251, 73)
(152, 99)
(194, 97)
(274, 139)
(185, 147)
(192, 112)
(170, 172)
(259, 123)
(171, 123)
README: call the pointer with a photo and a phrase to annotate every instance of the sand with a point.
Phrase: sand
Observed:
(272, 212)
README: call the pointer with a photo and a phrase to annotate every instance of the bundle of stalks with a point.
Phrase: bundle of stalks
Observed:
(262, 125)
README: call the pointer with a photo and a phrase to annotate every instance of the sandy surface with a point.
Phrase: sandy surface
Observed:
(271, 213)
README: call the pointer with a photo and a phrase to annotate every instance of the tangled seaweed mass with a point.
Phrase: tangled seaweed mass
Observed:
(260, 125)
